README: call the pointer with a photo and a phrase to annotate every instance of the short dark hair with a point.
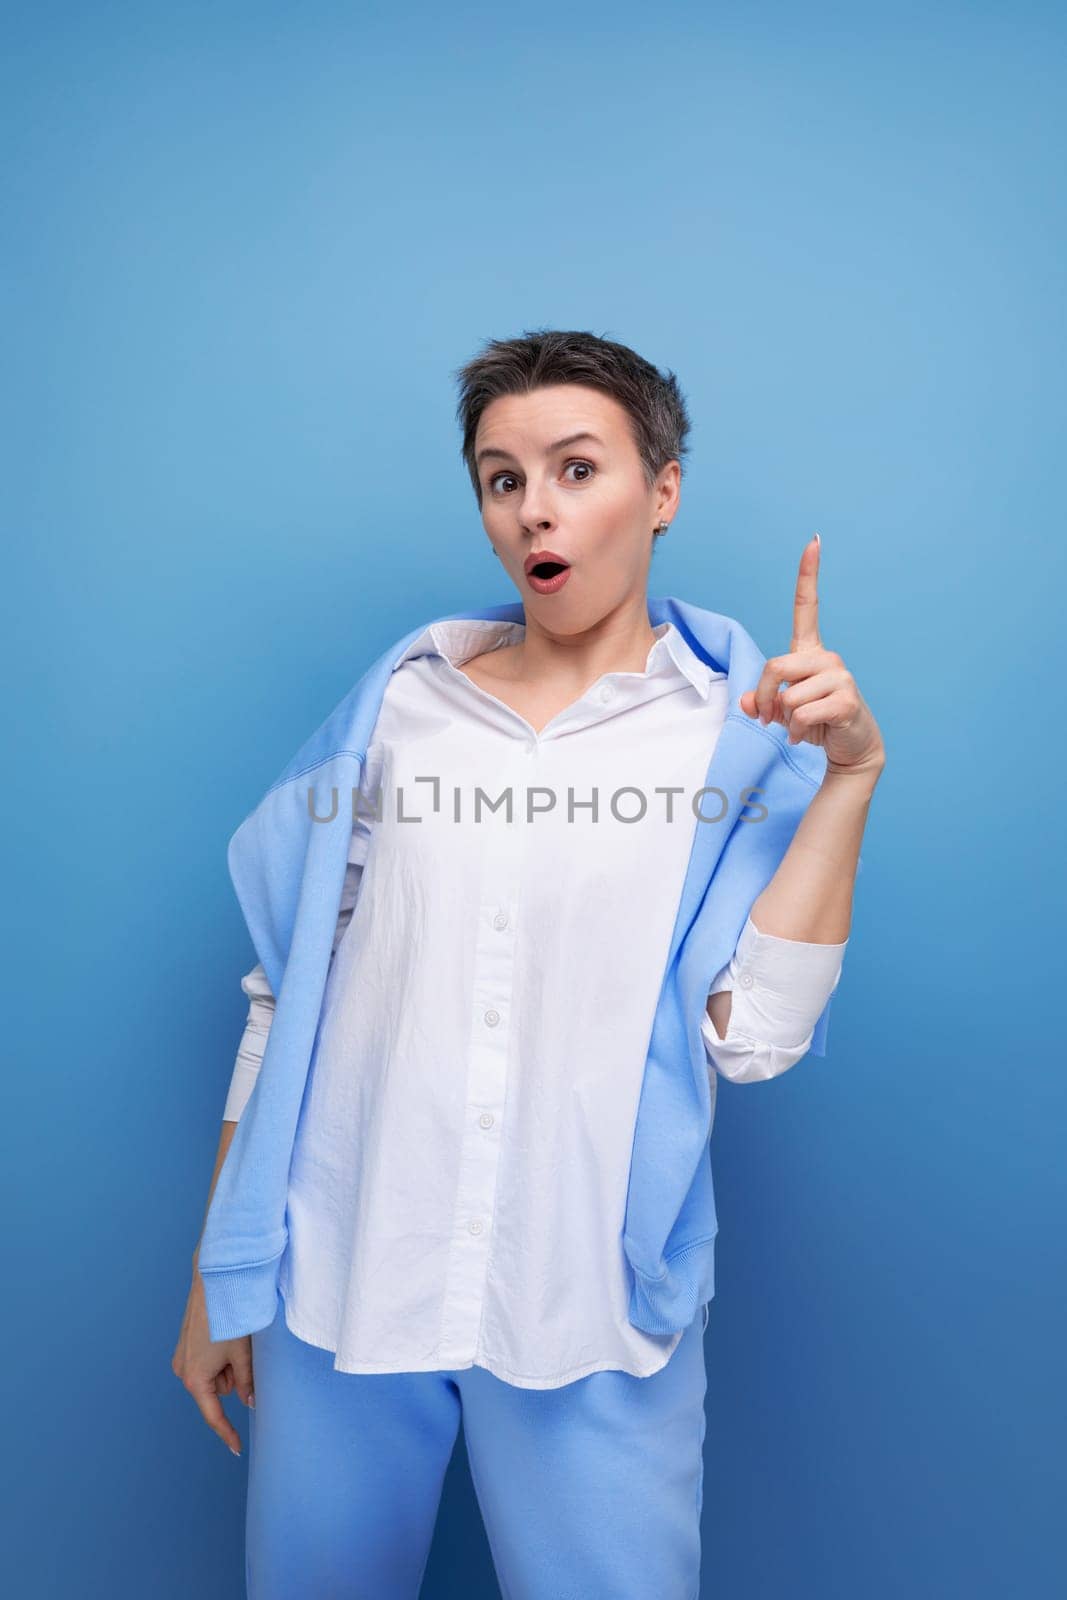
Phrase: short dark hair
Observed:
(545, 356)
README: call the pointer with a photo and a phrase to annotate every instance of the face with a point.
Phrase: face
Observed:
(559, 471)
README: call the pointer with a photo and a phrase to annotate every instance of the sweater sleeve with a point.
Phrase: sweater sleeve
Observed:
(779, 989)
(255, 985)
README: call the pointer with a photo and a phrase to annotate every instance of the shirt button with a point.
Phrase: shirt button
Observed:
(474, 1226)
(500, 920)
(486, 1119)
(492, 1017)
(746, 980)
(607, 692)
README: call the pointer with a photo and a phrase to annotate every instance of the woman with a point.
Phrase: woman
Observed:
(462, 1234)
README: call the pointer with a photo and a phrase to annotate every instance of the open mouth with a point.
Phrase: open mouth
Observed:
(547, 569)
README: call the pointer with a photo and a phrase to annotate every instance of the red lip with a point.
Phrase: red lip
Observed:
(542, 555)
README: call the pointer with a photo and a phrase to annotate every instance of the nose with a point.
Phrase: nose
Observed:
(535, 514)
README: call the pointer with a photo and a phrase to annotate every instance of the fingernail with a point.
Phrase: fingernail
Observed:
(234, 1452)
(251, 1398)
(818, 539)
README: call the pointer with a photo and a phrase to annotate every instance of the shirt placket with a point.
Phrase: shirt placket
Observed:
(489, 1050)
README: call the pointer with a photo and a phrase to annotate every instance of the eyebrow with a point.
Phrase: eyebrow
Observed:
(572, 438)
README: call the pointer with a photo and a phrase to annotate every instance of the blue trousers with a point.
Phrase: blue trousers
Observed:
(588, 1492)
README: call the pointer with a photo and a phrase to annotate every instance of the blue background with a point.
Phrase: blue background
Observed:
(245, 248)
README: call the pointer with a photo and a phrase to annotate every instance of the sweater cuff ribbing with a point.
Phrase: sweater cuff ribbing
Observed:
(240, 1300)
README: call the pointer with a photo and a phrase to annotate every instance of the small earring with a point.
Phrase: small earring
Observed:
(661, 528)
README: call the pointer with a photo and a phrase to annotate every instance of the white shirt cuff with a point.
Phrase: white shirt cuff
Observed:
(779, 989)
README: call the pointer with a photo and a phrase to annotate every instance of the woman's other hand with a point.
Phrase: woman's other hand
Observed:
(210, 1370)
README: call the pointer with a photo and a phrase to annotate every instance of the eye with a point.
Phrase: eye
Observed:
(497, 475)
(587, 464)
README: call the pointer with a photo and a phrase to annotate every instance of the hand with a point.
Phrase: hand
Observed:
(209, 1370)
(822, 704)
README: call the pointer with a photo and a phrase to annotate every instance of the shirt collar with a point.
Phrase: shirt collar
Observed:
(458, 641)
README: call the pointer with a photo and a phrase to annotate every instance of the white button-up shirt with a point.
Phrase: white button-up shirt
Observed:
(459, 1175)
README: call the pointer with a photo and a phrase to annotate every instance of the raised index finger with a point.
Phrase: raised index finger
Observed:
(806, 600)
